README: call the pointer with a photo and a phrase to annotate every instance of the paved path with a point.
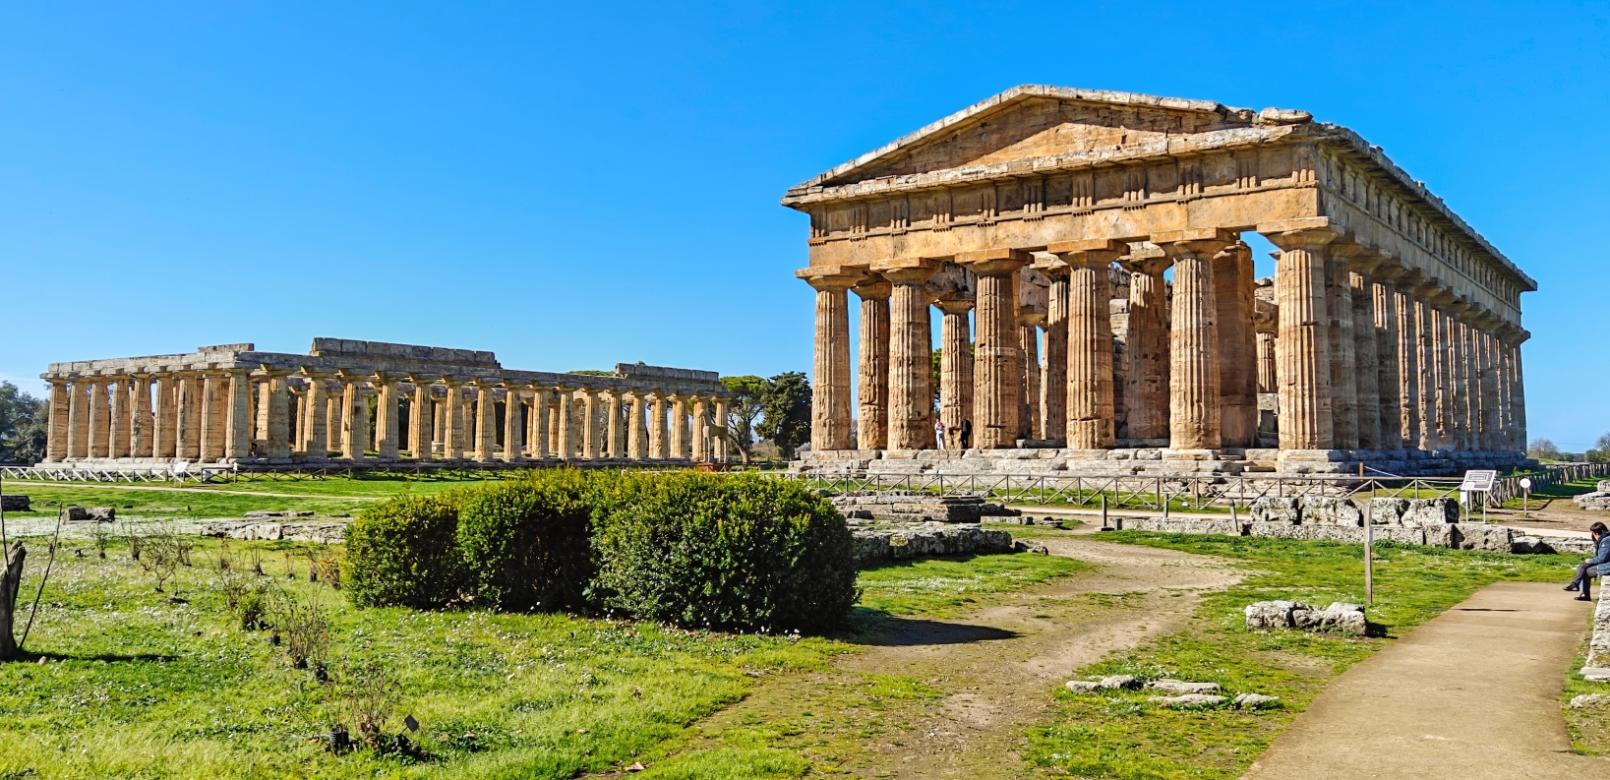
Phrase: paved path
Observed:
(1473, 694)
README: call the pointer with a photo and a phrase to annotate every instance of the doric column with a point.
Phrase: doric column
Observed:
(1518, 400)
(637, 432)
(911, 422)
(260, 397)
(142, 434)
(679, 427)
(1343, 361)
(830, 391)
(997, 353)
(99, 422)
(565, 441)
(1146, 394)
(1054, 419)
(1302, 350)
(60, 410)
(1426, 377)
(1194, 382)
(190, 402)
(1384, 312)
(238, 417)
(538, 433)
(586, 421)
(316, 426)
(698, 441)
(118, 440)
(420, 417)
(513, 422)
(1441, 376)
(1366, 384)
(387, 418)
(78, 419)
(955, 367)
(353, 416)
(211, 424)
(1237, 345)
(872, 391)
(1087, 392)
(277, 417)
(452, 420)
(614, 431)
(719, 434)
(1028, 339)
(659, 441)
(1459, 362)
(335, 420)
(485, 436)
(167, 421)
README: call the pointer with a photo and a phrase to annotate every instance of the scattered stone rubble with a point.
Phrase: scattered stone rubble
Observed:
(892, 526)
(1177, 694)
(248, 530)
(1340, 617)
(1599, 499)
(99, 514)
(1588, 700)
(1597, 666)
(14, 502)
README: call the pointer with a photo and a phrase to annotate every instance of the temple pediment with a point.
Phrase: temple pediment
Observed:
(1033, 121)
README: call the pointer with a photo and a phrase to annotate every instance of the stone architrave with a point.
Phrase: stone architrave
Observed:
(872, 392)
(1088, 392)
(1194, 394)
(955, 367)
(1146, 401)
(830, 390)
(911, 425)
(1302, 347)
(997, 353)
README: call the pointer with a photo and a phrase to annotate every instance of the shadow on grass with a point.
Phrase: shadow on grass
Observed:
(880, 629)
(107, 658)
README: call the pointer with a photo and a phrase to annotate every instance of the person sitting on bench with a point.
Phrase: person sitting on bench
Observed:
(1597, 566)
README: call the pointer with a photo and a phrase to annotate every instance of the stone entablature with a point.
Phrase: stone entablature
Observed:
(349, 400)
(1391, 325)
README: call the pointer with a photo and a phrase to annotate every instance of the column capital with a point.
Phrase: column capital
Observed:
(1089, 253)
(907, 270)
(989, 262)
(1145, 259)
(1304, 233)
(383, 378)
(1196, 241)
(955, 305)
(873, 288)
(829, 278)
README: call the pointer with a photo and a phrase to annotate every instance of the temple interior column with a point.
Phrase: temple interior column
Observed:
(316, 438)
(1461, 375)
(997, 353)
(1237, 345)
(1488, 382)
(1054, 381)
(872, 390)
(1087, 392)
(118, 441)
(99, 423)
(719, 435)
(1519, 401)
(1028, 338)
(1343, 364)
(955, 367)
(60, 404)
(1302, 349)
(1443, 357)
(1426, 358)
(238, 421)
(1194, 383)
(1146, 392)
(1367, 373)
(438, 443)
(1384, 313)
(911, 423)
(830, 391)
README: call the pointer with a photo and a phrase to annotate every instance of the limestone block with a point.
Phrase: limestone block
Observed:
(1190, 701)
(1599, 501)
(1387, 511)
(1324, 510)
(1273, 509)
(1266, 615)
(1256, 701)
(1474, 536)
(1431, 511)
(1110, 683)
(99, 514)
(1181, 688)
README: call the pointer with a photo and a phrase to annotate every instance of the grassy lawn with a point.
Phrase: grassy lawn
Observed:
(1561, 491)
(135, 685)
(1122, 736)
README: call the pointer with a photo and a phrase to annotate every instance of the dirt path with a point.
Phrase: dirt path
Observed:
(210, 491)
(986, 677)
(1473, 694)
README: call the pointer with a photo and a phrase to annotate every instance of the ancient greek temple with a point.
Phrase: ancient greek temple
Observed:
(368, 402)
(1098, 307)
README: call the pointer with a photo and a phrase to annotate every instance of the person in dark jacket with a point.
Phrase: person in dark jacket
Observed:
(1597, 566)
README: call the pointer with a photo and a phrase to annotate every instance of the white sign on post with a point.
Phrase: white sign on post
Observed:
(1477, 481)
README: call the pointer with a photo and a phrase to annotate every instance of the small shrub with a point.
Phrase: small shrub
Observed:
(328, 566)
(305, 630)
(159, 554)
(404, 552)
(732, 552)
(525, 544)
(365, 699)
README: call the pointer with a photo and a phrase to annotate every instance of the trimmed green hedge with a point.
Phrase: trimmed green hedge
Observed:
(404, 552)
(697, 550)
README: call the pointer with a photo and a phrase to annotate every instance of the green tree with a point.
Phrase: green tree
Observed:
(24, 426)
(1601, 450)
(785, 411)
(742, 411)
(1543, 449)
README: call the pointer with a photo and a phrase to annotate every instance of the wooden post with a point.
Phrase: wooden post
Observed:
(1369, 562)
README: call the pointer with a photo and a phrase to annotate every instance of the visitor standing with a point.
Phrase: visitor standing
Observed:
(939, 433)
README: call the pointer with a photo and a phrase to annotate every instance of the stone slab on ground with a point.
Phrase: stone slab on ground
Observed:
(247, 530)
(922, 540)
(1473, 694)
(1597, 666)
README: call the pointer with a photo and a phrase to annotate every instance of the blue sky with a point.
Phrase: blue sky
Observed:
(579, 184)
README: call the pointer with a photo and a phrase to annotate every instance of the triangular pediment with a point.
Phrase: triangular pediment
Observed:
(1035, 121)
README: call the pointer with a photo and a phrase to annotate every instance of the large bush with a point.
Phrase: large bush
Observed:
(525, 544)
(404, 552)
(735, 552)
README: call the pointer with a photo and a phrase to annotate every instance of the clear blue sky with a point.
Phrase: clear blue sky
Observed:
(581, 184)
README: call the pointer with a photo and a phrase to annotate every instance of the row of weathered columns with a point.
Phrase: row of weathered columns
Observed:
(1365, 355)
(236, 414)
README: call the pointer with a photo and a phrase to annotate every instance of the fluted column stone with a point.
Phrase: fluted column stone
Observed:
(1054, 402)
(1384, 312)
(637, 433)
(118, 440)
(60, 404)
(997, 354)
(955, 367)
(1087, 392)
(1302, 349)
(1146, 393)
(1194, 382)
(1366, 383)
(98, 424)
(872, 390)
(830, 391)
(911, 425)
(1237, 346)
